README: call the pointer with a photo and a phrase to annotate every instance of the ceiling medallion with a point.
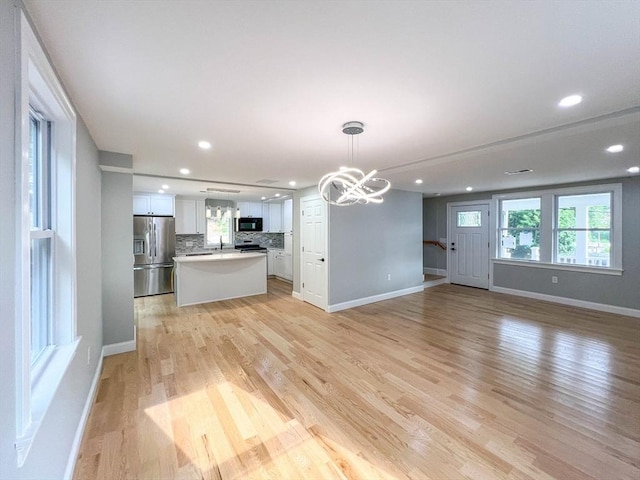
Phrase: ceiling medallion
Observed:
(350, 185)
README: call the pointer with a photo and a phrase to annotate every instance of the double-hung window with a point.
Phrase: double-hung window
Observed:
(520, 228)
(41, 236)
(583, 229)
(46, 320)
(576, 227)
(220, 220)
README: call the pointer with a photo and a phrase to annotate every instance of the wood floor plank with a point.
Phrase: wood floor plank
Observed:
(450, 383)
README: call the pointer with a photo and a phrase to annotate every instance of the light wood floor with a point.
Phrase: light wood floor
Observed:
(451, 383)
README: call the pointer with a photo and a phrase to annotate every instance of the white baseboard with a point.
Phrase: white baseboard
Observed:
(433, 283)
(296, 295)
(77, 440)
(374, 298)
(602, 307)
(122, 347)
(434, 271)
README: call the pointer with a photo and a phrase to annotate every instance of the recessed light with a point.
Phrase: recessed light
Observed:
(418, 181)
(160, 191)
(185, 171)
(203, 144)
(437, 194)
(615, 149)
(165, 187)
(570, 101)
(263, 198)
(292, 183)
(633, 169)
(468, 189)
(277, 194)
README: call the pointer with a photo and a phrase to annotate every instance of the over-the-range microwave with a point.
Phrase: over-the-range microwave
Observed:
(249, 224)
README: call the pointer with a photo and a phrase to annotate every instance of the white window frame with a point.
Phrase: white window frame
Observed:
(548, 212)
(36, 385)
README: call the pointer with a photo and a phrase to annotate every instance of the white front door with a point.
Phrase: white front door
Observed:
(469, 245)
(313, 245)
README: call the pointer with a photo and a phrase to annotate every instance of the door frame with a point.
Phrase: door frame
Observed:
(490, 209)
(327, 255)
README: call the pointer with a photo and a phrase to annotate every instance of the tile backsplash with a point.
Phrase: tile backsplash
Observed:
(196, 239)
(272, 240)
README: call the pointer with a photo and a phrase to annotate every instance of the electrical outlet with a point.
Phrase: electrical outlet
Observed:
(189, 244)
(554, 279)
(388, 276)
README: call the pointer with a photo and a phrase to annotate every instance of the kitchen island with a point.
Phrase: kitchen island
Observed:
(219, 276)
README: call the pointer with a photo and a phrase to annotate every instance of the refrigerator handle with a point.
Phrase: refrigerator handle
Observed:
(155, 241)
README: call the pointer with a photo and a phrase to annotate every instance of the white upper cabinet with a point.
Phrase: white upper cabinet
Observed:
(287, 216)
(275, 217)
(149, 204)
(250, 209)
(201, 220)
(190, 216)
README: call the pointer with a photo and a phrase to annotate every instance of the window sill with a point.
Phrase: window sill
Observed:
(42, 392)
(559, 266)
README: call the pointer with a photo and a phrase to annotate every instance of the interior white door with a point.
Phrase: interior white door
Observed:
(469, 245)
(313, 245)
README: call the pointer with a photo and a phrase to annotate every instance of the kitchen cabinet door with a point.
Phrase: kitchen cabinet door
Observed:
(141, 204)
(279, 269)
(287, 216)
(201, 220)
(148, 204)
(271, 259)
(162, 205)
(185, 217)
(250, 209)
(288, 266)
(275, 217)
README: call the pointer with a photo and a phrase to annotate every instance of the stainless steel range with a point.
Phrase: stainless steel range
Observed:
(250, 247)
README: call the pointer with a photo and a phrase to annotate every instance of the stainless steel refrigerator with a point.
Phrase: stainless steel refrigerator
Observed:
(154, 246)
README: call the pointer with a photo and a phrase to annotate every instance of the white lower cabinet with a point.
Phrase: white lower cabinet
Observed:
(271, 260)
(283, 265)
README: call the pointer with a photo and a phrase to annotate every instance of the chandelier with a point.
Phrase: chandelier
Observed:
(350, 185)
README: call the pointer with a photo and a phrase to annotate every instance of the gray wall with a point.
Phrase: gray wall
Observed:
(368, 242)
(52, 445)
(117, 252)
(614, 290)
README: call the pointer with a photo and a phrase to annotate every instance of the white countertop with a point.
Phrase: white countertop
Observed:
(216, 257)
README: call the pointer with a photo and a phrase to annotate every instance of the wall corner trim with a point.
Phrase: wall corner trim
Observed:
(602, 307)
(374, 298)
(77, 440)
(297, 295)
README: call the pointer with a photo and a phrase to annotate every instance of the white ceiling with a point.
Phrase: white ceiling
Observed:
(455, 93)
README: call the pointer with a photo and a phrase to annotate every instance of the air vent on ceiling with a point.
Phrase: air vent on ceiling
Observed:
(519, 172)
(267, 181)
(222, 190)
